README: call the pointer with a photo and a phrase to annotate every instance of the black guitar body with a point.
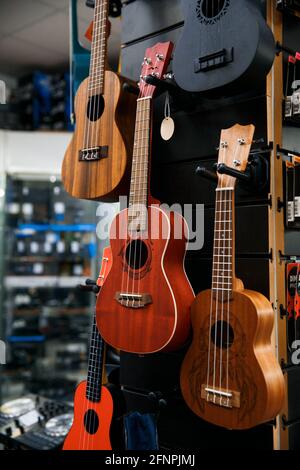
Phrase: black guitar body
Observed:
(226, 46)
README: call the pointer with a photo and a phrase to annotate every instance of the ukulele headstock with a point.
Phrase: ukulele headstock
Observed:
(156, 62)
(234, 150)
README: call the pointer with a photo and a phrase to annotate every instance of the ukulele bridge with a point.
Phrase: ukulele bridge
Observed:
(213, 61)
(220, 397)
(93, 154)
(133, 300)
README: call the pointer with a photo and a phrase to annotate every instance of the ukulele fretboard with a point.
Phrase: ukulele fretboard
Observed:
(95, 365)
(99, 47)
(223, 255)
(138, 196)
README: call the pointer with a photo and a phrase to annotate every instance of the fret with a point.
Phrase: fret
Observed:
(221, 289)
(222, 239)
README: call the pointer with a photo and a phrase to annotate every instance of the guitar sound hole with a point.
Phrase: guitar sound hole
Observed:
(95, 107)
(211, 9)
(222, 335)
(91, 422)
(136, 254)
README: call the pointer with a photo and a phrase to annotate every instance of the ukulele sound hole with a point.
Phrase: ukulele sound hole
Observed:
(95, 107)
(91, 422)
(136, 254)
(211, 10)
(222, 335)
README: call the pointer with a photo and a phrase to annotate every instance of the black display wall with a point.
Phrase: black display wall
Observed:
(174, 180)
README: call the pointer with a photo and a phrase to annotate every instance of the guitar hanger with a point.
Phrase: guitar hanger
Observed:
(115, 7)
(254, 179)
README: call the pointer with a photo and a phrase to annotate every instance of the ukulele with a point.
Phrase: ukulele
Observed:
(144, 304)
(224, 42)
(97, 164)
(230, 376)
(93, 402)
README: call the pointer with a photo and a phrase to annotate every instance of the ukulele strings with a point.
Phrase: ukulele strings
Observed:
(141, 118)
(100, 51)
(140, 209)
(140, 191)
(88, 88)
(230, 266)
(217, 287)
(144, 171)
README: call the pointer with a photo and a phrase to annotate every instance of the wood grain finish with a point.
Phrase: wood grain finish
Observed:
(107, 178)
(165, 323)
(78, 437)
(253, 369)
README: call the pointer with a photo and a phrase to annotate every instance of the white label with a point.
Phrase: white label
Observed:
(47, 247)
(34, 247)
(297, 206)
(291, 213)
(60, 247)
(51, 238)
(77, 270)
(75, 246)
(59, 208)
(13, 208)
(20, 247)
(27, 208)
(38, 268)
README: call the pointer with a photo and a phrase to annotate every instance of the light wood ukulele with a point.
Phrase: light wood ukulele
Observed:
(93, 402)
(230, 376)
(97, 162)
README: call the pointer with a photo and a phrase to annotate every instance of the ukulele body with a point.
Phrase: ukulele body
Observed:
(108, 177)
(163, 323)
(225, 45)
(254, 378)
(92, 422)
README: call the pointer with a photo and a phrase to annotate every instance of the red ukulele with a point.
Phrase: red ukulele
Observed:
(93, 403)
(145, 302)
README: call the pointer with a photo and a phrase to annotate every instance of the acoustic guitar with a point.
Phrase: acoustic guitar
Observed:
(97, 162)
(230, 375)
(144, 304)
(224, 44)
(93, 402)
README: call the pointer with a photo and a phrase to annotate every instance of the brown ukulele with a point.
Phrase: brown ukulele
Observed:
(93, 402)
(145, 302)
(97, 162)
(230, 376)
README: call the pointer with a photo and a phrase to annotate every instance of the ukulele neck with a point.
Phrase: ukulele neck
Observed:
(99, 48)
(95, 365)
(139, 187)
(223, 274)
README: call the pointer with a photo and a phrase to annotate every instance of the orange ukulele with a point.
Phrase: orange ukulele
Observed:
(145, 302)
(93, 403)
(230, 376)
(97, 162)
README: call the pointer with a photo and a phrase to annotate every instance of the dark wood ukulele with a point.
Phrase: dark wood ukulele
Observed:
(224, 44)
(97, 162)
(230, 375)
(145, 302)
(93, 402)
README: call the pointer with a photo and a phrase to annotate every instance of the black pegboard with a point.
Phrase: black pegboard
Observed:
(174, 179)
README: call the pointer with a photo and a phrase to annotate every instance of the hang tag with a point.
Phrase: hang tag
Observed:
(167, 128)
